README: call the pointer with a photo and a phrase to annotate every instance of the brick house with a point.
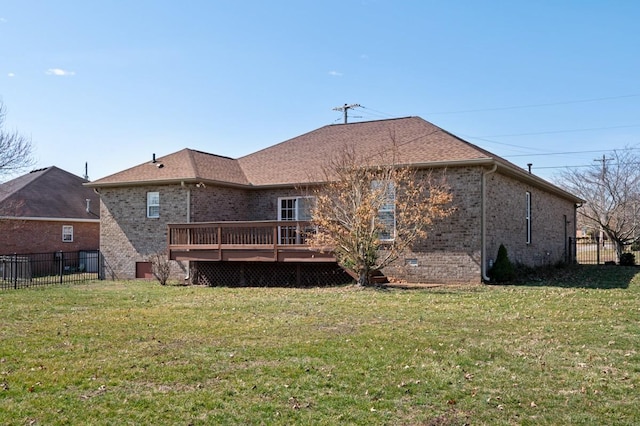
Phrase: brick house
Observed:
(47, 210)
(237, 220)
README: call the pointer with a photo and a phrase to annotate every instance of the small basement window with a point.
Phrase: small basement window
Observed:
(67, 233)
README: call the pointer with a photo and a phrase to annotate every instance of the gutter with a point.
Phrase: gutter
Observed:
(173, 181)
(50, 219)
(483, 225)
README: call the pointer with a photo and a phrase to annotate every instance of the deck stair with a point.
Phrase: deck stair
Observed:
(377, 277)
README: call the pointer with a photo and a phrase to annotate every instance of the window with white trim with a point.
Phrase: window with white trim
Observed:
(387, 212)
(293, 208)
(153, 204)
(67, 233)
(528, 216)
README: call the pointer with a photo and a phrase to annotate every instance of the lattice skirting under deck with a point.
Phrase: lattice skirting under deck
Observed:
(265, 274)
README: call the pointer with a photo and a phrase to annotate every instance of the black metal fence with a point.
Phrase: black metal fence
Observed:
(41, 269)
(595, 251)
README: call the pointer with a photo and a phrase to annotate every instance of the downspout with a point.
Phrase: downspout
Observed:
(186, 278)
(483, 232)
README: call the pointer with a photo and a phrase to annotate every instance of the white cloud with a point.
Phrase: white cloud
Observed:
(59, 72)
(364, 56)
(335, 73)
(11, 74)
(3, 20)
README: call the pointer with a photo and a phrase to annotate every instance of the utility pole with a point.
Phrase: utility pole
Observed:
(346, 108)
(603, 160)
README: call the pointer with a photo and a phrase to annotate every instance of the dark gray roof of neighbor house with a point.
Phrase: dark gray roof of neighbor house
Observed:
(403, 141)
(50, 193)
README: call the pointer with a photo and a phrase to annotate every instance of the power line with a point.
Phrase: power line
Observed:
(564, 167)
(463, 136)
(570, 152)
(563, 131)
(535, 105)
(379, 113)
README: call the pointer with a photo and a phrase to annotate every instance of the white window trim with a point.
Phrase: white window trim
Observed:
(528, 216)
(67, 233)
(284, 232)
(297, 209)
(150, 204)
(388, 207)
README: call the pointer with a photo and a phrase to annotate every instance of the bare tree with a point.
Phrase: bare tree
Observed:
(368, 215)
(161, 267)
(15, 149)
(611, 190)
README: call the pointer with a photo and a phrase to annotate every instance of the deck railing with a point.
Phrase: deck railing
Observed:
(214, 235)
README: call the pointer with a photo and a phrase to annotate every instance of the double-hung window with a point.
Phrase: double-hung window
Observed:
(386, 217)
(67, 233)
(528, 216)
(153, 204)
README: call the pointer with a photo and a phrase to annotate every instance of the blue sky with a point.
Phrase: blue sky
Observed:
(111, 82)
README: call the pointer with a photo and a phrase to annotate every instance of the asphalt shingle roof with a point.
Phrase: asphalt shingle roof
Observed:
(300, 160)
(411, 140)
(48, 193)
(186, 164)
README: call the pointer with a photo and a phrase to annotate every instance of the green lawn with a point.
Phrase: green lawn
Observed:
(562, 350)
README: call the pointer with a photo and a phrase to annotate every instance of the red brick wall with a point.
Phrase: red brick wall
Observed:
(36, 236)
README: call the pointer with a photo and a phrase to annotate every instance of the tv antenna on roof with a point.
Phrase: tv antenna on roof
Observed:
(346, 108)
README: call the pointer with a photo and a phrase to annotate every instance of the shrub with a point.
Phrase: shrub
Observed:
(161, 267)
(502, 270)
(635, 246)
(627, 259)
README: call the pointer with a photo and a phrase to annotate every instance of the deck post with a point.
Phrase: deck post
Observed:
(275, 243)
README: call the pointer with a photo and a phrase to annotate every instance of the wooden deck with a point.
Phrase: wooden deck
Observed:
(265, 241)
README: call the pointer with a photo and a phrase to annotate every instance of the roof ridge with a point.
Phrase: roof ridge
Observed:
(192, 161)
(47, 192)
(372, 121)
(20, 182)
(327, 126)
(210, 153)
(489, 154)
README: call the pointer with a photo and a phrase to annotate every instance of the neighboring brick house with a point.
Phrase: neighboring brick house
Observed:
(47, 211)
(191, 202)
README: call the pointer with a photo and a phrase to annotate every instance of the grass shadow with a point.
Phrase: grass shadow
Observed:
(601, 277)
